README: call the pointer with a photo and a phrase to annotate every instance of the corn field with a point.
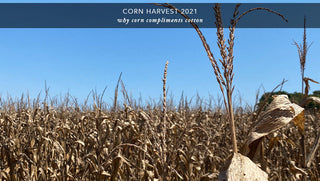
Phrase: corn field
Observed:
(47, 139)
(72, 142)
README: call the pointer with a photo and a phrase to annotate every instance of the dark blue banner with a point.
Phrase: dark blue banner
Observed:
(143, 15)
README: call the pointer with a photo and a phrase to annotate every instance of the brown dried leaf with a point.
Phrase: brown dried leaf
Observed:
(278, 114)
(310, 99)
(208, 176)
(313, 150)
(240, 167)
(5, 173)
(80, 142)
(306, 81)
(276, 139)
(296, 171)
(299, 121)
(105, 173)
(116, 164)
(177, 174)
(272, 142)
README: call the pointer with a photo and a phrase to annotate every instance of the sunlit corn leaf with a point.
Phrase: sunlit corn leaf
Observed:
(5, 173)
(116, 164)
(176, 173)
(239, 167)
(47, 139)
(208, 176)
(105, 173)
(278, 114)
(58, 147)
(80, 142)
(296, 171)
(42, 174)
(299, 121)
(33, 141)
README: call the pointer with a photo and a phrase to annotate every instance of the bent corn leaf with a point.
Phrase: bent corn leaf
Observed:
(278, 114)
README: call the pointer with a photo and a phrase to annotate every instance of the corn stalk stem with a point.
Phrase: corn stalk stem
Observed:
(164, 128)
(232, 125)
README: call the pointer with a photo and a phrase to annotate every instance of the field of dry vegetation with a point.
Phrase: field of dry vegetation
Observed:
(51, 139)
(44, 140)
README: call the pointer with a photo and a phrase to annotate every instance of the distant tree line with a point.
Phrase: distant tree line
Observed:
(295, 97)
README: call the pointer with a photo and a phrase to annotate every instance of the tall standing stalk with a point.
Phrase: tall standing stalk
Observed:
(224, 80)
(164, 128)
(302, 51)
(227, 66)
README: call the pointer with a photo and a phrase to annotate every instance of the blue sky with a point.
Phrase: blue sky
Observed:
(79, 60)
